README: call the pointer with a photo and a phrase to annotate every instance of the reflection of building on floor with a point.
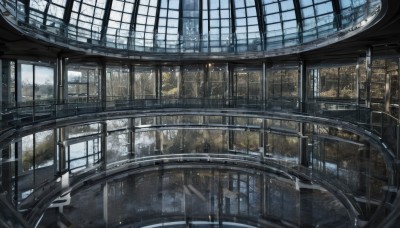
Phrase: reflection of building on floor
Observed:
(207, 195)
(106, 144)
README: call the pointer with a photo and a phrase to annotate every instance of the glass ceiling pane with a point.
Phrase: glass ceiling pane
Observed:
(200, 26)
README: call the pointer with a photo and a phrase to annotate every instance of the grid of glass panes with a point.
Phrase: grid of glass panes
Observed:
(192, 81)
(247, 31)
(168, 34)
(317, 18)
(347, 11)
(87, 20)
(120, 22)
(145, 83)
(170, 78)
(280, 21)
(144, 27)
(37, 11)
(83, 154)
(117, 83)
(217, 24)
(190, 25)
(56, 13)
(217, 81)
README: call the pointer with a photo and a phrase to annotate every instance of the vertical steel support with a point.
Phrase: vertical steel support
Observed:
(103, 84)
(398, 110)
(299, 20)
(302, 86)
(62, 151)
(303, 154)
(131, 83)
(3, 100)
(103, 139)
(358, 83)
(262, 138)
(18, 84)
(132, 29)
(264, 87)
(261, 23)
(206, 75)
(131, 136)
(27, 10)
(231, 96)
(200, 25)
(368, 63)
(338, 13)
(181, 36)
(61, 92)
(265, 76)
(106, 19)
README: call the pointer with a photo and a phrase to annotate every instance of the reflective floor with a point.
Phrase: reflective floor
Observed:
(197, 170)
(199, 195)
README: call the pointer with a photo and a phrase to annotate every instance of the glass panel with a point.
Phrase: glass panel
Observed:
(193, 81)
(8, 84)
(44, 149)
(27, 153)
(44, 83)
(171, 82)
(117, 147)
(218, 81)
(145, 83)
(117, 81)
(27, 82)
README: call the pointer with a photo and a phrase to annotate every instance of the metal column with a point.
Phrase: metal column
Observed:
(62, 151)
(264, 85)
(61, 92)
(302, 87)
(104, 143)
(303, 155)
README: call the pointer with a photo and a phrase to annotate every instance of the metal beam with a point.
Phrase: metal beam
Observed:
(68, 10)
(261, 22)
(338, 13)
(302, 86)
(106, 19)
(156, 22)
(180, 26)
(45, 13)
(132, 28)
(200, 18)
(27, 10)
(299, 19)
(233, 21)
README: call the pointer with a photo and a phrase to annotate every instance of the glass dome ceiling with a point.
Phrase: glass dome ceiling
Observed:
(198, 26)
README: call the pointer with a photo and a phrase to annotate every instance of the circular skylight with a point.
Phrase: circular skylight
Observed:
(192, 26)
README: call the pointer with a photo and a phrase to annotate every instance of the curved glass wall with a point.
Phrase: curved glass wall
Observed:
(37, 168)
(363, 91)
(194, 26)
